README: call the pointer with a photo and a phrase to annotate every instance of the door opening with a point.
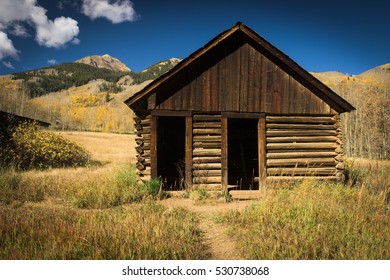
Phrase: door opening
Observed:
(243, 163)
(171, 152)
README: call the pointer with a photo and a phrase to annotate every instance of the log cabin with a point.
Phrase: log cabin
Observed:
(237, 113)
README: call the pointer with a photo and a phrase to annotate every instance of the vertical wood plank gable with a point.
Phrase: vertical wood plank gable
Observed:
(276, 91)
(222, 85)
(243, 81)
(256, 89)
(206, 94)
(244, 78)
(214, 88)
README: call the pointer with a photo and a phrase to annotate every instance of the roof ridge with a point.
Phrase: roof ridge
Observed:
(277, 56)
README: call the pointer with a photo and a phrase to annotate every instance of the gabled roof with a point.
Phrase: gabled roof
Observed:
(13, 119)
(301, 75)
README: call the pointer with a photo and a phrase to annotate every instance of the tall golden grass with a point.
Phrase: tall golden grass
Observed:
(101, 212)
(141, 231)
(319, 220)
(96, 213)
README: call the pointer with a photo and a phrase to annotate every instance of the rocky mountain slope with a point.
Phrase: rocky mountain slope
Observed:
(105, 61)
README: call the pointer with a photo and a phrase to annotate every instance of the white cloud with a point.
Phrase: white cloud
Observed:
(52, 61)
(18, 30)
(49, 33)
(116, 11)
(8, 64)
(57, 33)
(15, 10)
(7, 47)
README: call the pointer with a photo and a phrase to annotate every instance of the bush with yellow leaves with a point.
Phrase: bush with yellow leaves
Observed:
(31, 147)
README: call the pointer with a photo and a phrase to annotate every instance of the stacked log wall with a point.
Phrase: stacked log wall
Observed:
(304, 147)
(142, 130)
(206, 159)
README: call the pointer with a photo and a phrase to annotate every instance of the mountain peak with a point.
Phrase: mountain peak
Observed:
(105, 61)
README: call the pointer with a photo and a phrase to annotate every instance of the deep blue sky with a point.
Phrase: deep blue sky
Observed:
(333, 35)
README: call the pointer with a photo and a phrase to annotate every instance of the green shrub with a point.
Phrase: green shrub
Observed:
(153, 187)
(31, 147)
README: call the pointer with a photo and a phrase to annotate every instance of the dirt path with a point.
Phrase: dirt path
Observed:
(222, 247)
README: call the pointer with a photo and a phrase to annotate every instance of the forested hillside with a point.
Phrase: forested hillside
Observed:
(77, 96)
(366, 130)
(63, 76)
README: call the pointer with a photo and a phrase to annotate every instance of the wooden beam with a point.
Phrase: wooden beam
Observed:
(224, 152)
(286, 178)
(206, 180)
(301, 139)
(170, 113)
(207, 160)
(203, 131)
(262, 150)
(207, 173)
(153, 147)
(303, 146)
(296, 119)
(235, 115)
(188, 153)
(306, 154)
(302, 161)
(145, 130)
(207, 125)
(301, 132)
(202, 118)
(302, 171)
(207, 166)
(300, 126)
(207, 152)
(207, 138)
(211, 145)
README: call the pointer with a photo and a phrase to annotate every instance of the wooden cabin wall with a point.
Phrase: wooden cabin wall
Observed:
(142, 127)
(206, 159)
(297, 147)
(303, 147)
(243, 81)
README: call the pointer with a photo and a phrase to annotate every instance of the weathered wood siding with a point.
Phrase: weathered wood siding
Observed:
(303, 146)
(243, 81)
(206, 160)
(142, 127)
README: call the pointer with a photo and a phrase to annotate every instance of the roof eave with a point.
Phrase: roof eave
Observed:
(328, 95)
(181, 65)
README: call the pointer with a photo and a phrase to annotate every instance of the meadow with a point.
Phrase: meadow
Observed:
(94, 212)
(102, 212)
(319, 220)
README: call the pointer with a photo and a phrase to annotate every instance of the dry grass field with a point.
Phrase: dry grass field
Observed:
(105, 147)
(101, 212)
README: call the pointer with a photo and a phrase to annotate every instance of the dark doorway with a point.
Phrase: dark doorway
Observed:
(171, 151)
(243, 163)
